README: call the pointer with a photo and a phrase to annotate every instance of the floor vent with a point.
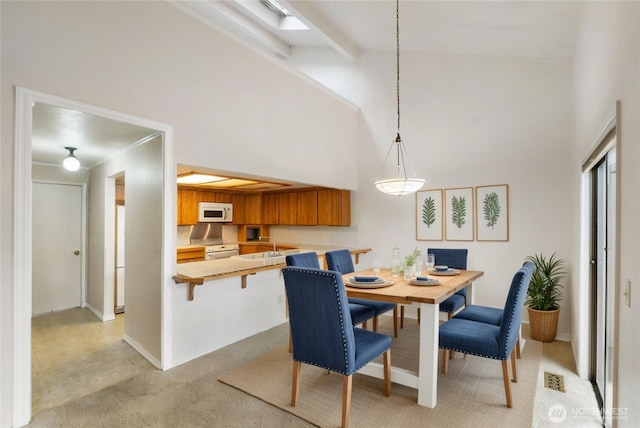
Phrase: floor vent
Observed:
(554, 381)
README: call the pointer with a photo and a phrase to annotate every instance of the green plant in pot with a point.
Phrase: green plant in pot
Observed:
(543, 295)
(410, 266)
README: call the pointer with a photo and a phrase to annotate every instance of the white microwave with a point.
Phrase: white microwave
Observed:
(213, 212)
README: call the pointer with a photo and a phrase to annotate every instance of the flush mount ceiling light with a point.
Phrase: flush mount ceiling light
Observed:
(198, 178)
(71, 163)
(394, 180)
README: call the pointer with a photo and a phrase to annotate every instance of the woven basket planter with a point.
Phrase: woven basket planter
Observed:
(543, 325)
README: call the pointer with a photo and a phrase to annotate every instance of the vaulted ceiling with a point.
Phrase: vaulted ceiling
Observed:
(535, 29)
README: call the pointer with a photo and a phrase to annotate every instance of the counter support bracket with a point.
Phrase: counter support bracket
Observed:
(192, 282)
(244, 279)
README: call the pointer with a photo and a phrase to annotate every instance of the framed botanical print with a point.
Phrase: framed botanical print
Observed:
(429, 215)
(459, 214)
(492, 213)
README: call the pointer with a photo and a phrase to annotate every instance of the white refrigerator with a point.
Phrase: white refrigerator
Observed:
(119, 289)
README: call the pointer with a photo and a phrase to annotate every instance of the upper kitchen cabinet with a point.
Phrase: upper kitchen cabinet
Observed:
(252, 209)
(334, 207)
(307, 206)
(187, 207)
(270, 208)
(238, 208)
(206, 196)
(287, 208)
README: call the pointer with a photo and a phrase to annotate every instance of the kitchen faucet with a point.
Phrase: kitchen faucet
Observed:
(275, 250)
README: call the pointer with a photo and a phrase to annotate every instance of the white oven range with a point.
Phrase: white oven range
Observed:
(215, 252)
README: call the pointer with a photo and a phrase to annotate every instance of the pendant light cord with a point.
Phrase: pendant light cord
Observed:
(398, 62)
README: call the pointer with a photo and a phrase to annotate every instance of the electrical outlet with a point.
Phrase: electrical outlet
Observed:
(627, 292)
(323, 235)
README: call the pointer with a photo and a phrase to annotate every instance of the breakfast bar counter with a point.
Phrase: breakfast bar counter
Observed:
(196, 273)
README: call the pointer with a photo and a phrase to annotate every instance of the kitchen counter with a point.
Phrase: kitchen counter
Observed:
(196, 273)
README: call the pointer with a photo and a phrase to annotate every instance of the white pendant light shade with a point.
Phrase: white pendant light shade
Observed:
(399, 186)
(71, 163)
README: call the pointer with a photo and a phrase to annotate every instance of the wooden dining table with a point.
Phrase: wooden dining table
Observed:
(428, 299)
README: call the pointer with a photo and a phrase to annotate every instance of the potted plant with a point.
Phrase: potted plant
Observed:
(410, 264)
(543, 295)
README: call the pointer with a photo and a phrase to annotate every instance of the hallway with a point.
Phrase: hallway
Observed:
(74, 354)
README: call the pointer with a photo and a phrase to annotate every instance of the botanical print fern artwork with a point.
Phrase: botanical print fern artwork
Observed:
(458, 211)
(429, 215)
(459, 214)
(491, 209)
(492, 222)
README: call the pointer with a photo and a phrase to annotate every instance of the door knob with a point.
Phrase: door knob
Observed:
(76, 252)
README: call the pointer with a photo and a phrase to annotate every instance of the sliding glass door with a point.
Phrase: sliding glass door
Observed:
(603, 218)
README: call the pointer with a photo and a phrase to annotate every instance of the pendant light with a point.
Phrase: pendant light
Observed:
(71, 162)
(398, 182)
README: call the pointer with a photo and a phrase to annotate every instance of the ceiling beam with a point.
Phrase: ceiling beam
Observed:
(322, 27)
(220, 16)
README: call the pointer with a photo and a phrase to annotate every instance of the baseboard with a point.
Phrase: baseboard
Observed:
(135, 345)
(100, 315)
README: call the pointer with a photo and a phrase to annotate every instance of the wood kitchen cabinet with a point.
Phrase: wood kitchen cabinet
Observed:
(270, 208)
(206, 196)
(307, 206)
(190, 254)
(287, 208)
(334, 207)
(238, 208)
(248, 248)
(187, 207)
(252, 209)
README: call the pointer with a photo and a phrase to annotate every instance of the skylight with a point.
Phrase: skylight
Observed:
(276, 8)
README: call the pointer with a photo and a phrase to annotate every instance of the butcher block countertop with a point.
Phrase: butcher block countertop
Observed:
(196, 273)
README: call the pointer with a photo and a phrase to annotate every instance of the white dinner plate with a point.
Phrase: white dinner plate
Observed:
(380, 283)
(449, 271)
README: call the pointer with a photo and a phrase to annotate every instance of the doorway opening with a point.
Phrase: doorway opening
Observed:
(156, 161)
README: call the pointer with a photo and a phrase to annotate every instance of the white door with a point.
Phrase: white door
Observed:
(57, 246)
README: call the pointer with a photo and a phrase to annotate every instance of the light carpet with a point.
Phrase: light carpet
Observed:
(471, 394)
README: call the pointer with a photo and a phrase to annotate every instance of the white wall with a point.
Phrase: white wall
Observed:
(607, 68)
(143, 246)
(466, 121)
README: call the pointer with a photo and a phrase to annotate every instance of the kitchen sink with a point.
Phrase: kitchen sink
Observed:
(266, 255)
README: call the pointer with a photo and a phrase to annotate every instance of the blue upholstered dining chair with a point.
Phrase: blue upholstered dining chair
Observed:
(487, 315)
(454, 258)
(340, 261)
(360, 314)
(323, 334)
(489, 340)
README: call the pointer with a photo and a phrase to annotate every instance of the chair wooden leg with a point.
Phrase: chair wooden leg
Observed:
(346, 400)
(296, 383)
(507, 382)
(387, 373)
(514, 369)
(290, 341)
(375, 323)
(401, 316)
(450, 315)
(518, 347)
(445, 361)
(364, 325)
(395, 321)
